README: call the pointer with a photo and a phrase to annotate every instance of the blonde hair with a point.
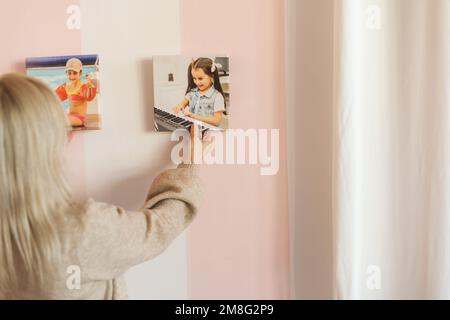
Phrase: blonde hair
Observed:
(33, 191)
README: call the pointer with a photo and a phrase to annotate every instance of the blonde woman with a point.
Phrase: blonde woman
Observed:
(45, 234)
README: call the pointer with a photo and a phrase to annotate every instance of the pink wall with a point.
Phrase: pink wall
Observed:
(28, 31)
(238, 247)
(38, 28)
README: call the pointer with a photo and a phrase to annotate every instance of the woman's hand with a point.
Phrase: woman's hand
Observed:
(200, 145)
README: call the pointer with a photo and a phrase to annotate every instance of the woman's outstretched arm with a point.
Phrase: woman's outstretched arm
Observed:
(115, 240)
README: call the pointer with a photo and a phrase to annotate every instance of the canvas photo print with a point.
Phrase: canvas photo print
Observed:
(191, 90)
(75, 80)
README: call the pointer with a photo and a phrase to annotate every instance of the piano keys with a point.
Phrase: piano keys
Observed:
(167, 121)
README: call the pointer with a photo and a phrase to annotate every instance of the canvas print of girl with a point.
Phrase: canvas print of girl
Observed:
(75, 80)
(202, 96)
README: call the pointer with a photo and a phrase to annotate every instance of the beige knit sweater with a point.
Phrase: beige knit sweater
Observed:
(110, 240)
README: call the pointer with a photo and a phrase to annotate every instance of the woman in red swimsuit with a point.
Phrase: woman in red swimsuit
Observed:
(79, 94)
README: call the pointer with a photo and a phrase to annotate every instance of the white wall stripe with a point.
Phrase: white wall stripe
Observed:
(123, 158)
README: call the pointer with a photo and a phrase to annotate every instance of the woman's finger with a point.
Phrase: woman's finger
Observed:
(194, 131)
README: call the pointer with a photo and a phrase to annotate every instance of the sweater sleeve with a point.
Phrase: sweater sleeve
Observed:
(114, 240)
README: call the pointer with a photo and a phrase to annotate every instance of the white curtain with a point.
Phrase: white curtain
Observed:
(391, 149)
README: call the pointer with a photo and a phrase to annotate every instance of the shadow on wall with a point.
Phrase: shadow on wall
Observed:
(310, 101)
(147, 88)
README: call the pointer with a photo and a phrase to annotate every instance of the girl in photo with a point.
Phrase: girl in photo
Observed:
(204, 100)
(79, 94)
